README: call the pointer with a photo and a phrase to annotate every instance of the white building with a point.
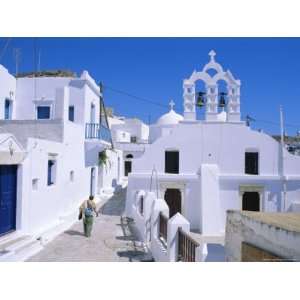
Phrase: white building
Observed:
(202, 168)
(52, 129)
(130, 136)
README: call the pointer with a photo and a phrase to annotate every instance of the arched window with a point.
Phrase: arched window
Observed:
(129, 156)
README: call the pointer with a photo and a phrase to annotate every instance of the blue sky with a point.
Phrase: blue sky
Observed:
(154, 68)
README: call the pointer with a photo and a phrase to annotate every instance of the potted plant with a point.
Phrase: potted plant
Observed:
(103, 158)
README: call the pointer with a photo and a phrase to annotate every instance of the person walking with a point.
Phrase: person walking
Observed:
(87, 211)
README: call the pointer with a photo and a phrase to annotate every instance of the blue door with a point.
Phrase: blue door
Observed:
(8, 198)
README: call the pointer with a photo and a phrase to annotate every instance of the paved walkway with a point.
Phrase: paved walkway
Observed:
(112, 239)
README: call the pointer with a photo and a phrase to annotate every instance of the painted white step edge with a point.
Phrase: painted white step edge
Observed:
(21, 250)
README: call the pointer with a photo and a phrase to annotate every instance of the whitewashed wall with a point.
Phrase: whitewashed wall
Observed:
(223, 144)
(8, 85)
(41, 87)
(133, 127)
(111, 174)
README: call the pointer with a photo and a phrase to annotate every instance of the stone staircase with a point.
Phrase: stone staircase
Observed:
(18, 248)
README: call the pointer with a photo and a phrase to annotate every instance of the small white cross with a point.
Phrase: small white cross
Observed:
(212, 55)
(172, 104)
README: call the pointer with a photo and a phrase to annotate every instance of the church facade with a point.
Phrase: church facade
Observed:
(202, 168)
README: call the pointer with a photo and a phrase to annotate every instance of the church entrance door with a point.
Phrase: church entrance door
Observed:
(251, 201)
(173, 199)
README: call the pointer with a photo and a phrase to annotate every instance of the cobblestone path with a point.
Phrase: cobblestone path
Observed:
(112, 239)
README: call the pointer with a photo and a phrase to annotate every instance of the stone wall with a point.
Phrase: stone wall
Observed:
(276, 233)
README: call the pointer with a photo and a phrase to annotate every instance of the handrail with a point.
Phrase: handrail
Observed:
(163, 226)
(186, 246)
(97, 131)
(189, 236)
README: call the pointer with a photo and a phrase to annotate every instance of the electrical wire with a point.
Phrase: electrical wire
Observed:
(134, 96)
(5, 48)
(275, 124)
(166, 106)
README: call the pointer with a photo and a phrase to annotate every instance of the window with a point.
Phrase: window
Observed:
(93, 114)
(35, 184)
(133, 139)
(72, 176)
(43, 112)
(251, 163)
(142, 205)
(51, 172)
(172, 162)
(71, 113)
(7, 109)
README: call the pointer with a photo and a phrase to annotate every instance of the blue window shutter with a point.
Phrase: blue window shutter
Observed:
(43, 112)
(71, 113)
(49, 178)
(7, 109)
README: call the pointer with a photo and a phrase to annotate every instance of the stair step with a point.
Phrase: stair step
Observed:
(28, 251)
(5, 256)
(9, 243)
(19, 243)
(19, 249)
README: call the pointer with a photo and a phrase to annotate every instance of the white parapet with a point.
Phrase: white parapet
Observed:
(176, 222)
(158, 250)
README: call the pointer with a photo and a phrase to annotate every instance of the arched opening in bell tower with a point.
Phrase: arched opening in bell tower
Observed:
(200, 98)
(222, 95)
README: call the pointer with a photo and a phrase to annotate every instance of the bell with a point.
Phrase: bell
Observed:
(200, 99)
(222, 102)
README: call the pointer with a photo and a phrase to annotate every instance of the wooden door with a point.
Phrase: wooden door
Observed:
(173, 199)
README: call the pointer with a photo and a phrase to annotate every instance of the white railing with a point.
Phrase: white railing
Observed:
(168, 239)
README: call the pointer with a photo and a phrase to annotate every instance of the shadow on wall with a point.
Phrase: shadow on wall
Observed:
(92, 154)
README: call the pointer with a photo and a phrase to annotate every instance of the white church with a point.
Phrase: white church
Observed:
(203, 167)
(58, 145)
(53, 134)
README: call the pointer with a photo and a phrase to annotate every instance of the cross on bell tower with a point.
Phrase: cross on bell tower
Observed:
(212, 55)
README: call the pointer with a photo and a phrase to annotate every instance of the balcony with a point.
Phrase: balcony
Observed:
(97, 131)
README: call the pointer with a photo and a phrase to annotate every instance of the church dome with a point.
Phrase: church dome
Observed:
(170, 118)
